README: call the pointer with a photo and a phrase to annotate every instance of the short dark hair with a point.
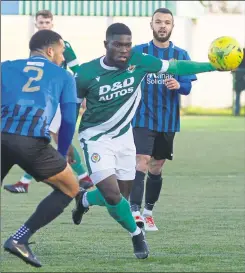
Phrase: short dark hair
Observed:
(45, 13)
(43, 38)
(117, 29)
(162, 10)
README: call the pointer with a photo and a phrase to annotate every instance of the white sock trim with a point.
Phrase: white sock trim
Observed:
(136, 232)
(85, 200)
(136, 213)
(147, 212)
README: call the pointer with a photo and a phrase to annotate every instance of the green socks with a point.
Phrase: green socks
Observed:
(95, 198)
(120, 212)
(77, 167)
(123, 215)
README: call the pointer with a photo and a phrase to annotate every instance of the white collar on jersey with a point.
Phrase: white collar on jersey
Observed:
(106, 66)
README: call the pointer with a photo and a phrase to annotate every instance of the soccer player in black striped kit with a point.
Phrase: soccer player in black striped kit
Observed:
(157, 118)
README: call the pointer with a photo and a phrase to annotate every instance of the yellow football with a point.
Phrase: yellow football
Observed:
(225, 53)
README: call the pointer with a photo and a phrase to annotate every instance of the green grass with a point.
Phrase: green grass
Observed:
(200, 214)
(211, 111)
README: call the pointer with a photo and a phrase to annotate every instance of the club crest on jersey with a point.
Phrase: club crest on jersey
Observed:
(95, 157)
(131, 68)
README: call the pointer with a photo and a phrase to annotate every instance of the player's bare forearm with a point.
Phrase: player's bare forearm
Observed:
(189, 68)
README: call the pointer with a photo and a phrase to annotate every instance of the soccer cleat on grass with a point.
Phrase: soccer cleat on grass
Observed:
(77, 213)
(22, 251)
(140, 246)
(18, 187)
(86, 183)
(149, 223)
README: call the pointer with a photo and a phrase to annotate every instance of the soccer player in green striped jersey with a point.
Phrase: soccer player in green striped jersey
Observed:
(44, 20)
(111, 85)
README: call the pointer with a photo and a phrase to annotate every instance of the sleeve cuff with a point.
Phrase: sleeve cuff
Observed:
(165, 66)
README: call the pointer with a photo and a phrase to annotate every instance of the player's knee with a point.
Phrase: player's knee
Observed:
(142, 164)
(155, 166)
(66, 182)
(112, 197)
(71, 183)
(74, 189)
(71, 188)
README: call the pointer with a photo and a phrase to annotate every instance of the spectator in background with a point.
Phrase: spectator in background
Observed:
(239, 84)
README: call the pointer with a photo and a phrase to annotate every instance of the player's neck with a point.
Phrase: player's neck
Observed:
(39, 54)
(161, 44)
(108, 62)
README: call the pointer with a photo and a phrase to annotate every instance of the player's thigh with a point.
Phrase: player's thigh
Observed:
(125, 156)
(7, 155)
(38, 158)
(100, 159)
(55, 123)
(163, 146)
(125, 187)
(144, 140)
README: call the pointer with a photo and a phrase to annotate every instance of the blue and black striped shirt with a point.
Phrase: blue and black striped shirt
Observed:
(159, 106)
(31, 91)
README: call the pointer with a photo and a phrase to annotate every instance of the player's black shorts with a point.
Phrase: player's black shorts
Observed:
(159, 145)
(34, 155)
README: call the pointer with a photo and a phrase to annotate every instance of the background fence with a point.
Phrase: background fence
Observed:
(86, 35)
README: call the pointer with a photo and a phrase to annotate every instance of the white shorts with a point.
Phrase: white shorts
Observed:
(113, 156)
(55, 123)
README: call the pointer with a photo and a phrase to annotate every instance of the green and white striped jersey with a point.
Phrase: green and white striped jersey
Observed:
(71, 60)
(112, 94)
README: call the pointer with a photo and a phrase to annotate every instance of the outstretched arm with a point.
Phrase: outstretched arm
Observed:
(152, 64)
(188, 67)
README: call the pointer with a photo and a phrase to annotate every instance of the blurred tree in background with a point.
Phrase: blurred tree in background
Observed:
(236, 7)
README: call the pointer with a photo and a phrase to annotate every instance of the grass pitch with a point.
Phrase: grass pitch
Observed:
(200, 214)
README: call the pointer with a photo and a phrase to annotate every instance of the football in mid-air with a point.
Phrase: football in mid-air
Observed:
(225, 53)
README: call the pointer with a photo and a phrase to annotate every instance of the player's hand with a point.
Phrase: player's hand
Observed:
(172, 84)
(70, 157)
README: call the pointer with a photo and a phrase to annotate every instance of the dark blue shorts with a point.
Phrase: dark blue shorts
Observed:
(34, 155)
(158, 145)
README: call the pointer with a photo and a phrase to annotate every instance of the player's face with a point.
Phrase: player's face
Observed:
(162, 25)
(118, 49)
(55, 53)
(43, 23)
